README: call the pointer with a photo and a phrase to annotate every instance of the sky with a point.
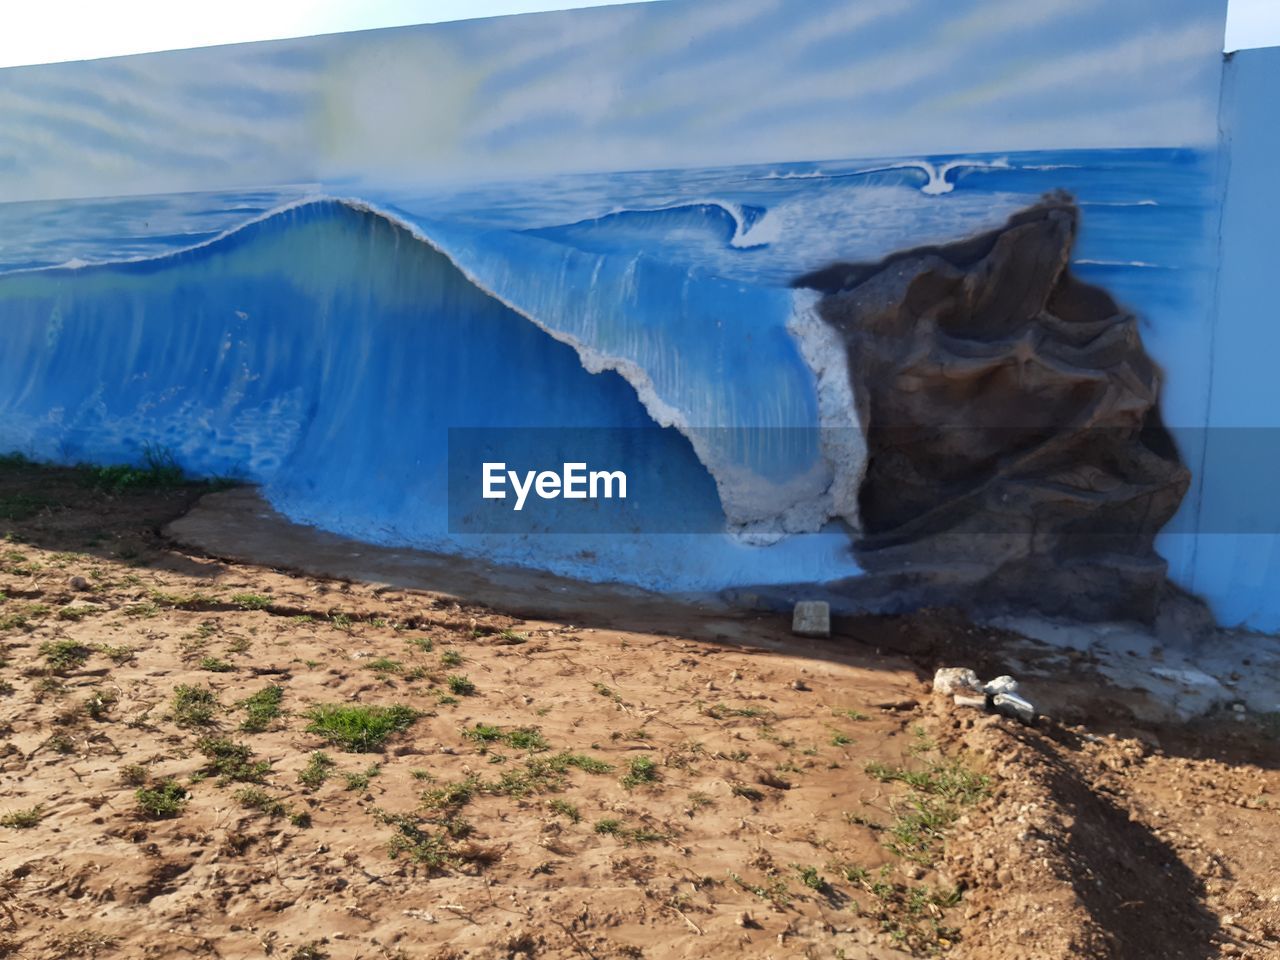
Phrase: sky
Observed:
(38, 32)
(642, 87)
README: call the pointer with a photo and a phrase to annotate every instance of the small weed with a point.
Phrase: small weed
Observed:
(775, 891)
(251, 601)
(316, 771)
(720, 711)
(23, 819)
(117, 655)
(451, 796)
(812, 879)
(605, 691)
(163, 801)
(565, 809)
(75, 613)
(255, 798)
(746, 792)
(360, 781)
(451, 658)
(425, 644)
(100, 703)
(384, 665)
(64, 655)
(214, 665)
(850, 714)
(232, 761)
(639, 771)
(158, 470)
(460, 685)
(133, 775)
(193, 706)
(519, 738)
(612, 827)
(839, 739)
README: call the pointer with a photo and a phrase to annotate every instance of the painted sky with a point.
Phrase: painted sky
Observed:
(667, 84)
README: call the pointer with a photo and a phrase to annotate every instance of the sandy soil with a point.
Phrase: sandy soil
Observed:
(639, 780)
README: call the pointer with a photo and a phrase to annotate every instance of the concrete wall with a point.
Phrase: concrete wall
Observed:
(1237, 566)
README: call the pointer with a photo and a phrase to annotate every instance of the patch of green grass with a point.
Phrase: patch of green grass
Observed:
(23, 506)
(255, 798)
(849, 714)
(564, 809)
(451, 658)
(451, 796)
(460, 685)
(232, 761)
(163, 801)
(64, 655)
(183, 601)
(359, 729)
(133, 775)
(839, 739)
(317, 770)
(912, 917)
(23, 819)
(518, 738)
(158, 470)
(812, 879)
(261, 708)
(215, 665)
(360, 781)
(384, 665)
(251, 601)
(425, 644)
(937, 794)
(612, 827)
(75, 613)
(640, 770)
(193, 706)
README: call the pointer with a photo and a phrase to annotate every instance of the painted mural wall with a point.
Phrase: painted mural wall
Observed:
(350, 268)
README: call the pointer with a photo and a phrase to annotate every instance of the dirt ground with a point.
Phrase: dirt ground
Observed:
(208, 758)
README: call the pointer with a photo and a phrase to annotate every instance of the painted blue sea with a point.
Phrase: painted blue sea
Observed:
(275, 333)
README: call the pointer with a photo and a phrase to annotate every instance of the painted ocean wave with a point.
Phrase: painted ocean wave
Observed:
(277, 333)
(324, 349)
